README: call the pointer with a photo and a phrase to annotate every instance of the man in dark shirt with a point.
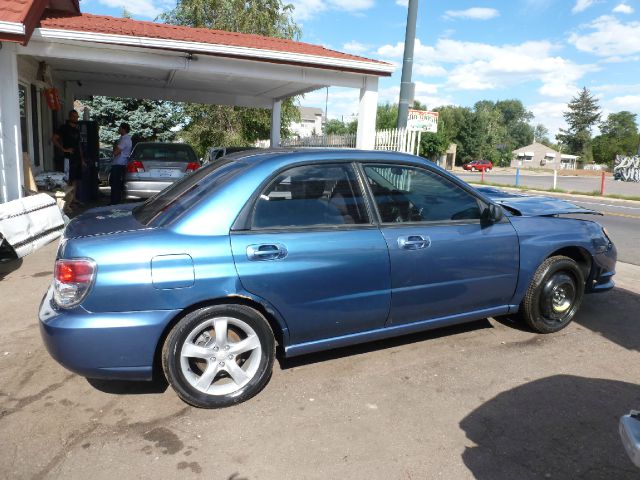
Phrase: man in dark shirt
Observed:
(67, 141)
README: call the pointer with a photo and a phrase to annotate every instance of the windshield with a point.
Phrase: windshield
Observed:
(169, 152)
(166, 206)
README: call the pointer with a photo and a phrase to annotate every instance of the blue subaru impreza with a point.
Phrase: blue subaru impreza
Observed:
(310, 250)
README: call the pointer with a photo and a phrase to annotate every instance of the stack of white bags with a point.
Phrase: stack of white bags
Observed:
(30, 222)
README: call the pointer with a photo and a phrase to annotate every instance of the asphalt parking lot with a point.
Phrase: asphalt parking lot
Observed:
(489, 400)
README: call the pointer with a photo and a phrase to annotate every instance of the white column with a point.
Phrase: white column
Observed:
(366, 137)
(69, 98)
(276, 121)
(10, 136)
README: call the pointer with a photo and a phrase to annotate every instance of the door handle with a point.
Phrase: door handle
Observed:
(266, 251)
(414, 242)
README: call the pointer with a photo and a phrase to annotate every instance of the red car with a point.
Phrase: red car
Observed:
(478, 165)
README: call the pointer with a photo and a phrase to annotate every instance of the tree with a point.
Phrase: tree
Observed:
(432, 145)
(582, 115)
(387, 116)
(618, 136)
(210, 125)
(152, 120)
(338, 127)
(515, 118)
(541, 134)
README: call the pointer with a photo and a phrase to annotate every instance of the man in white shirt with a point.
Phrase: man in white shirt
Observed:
(121, 152)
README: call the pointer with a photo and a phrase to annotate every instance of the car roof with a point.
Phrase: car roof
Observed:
(291, 156)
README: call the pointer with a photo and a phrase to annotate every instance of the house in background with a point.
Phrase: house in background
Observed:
(538, 155)
(310, 124)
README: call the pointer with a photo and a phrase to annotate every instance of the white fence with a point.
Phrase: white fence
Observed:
(335, 141)
(398, 140)
(393, 140)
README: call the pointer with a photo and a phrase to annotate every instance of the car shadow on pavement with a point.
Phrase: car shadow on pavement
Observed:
(123, 387)
(326, 355)
(557, 427)
(615, 315)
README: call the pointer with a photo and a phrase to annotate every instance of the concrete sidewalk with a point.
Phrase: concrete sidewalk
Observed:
(488, 400)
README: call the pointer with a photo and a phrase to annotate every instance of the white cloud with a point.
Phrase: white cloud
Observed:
(609, 37)
(624, 8)
(355, 47)
(618, 88)
(626, 102)
(481, 66)
(582, 5)
(402, 3)
(343, 102)
(550, 114)
(142, 8)
(426, 93)
(475, 13)
(306, 9)
(430, 70)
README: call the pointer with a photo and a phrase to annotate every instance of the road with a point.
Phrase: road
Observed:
(622, 221)
(544, 181)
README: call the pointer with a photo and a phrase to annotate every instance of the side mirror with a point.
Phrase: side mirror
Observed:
(493, 213)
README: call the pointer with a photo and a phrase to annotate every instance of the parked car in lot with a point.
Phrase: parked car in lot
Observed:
(153, 167)
(310, 250)
(105, 159)
(478, 165)
(629, 428)
(216, 153)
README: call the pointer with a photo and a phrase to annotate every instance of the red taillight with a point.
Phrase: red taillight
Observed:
(74, 271)
(193, 166)
(135, 167)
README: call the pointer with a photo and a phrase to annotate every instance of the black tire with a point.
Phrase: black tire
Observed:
(554, 295)
(172, 358)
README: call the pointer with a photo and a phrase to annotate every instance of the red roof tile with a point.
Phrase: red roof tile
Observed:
(29, 12)
(134, 28)
(14, 10)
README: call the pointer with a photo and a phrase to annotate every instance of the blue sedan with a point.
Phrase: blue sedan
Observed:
(307, 250)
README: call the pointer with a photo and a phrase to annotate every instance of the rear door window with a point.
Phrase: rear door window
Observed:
(164, 153)
(311, 196)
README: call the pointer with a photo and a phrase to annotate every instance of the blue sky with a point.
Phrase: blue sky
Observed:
(540, 51)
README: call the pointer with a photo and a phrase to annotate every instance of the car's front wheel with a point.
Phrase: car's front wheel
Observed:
(218, 356)
(554, 295)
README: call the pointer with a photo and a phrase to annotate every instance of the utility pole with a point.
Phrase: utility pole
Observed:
(406, 86)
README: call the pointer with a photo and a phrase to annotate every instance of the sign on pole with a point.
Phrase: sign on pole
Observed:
(422, 121)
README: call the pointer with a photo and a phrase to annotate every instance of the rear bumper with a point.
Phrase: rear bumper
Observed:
(144, 189)
(117, 345)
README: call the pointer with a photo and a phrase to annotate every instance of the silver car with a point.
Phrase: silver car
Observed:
(154, 166)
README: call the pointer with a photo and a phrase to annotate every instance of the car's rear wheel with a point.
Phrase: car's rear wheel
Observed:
(218, 356)
(554, 295)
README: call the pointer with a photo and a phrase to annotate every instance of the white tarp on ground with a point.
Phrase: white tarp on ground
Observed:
(30, 222)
